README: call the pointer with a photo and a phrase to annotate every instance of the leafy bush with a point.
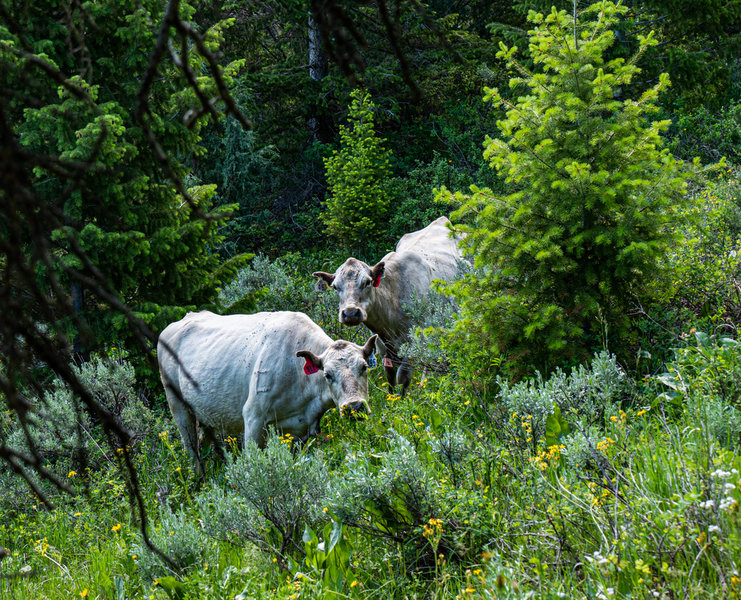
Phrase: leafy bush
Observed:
(270, 497)
(706, 266)
(357, 203)
(592, 193)
(286, 284)
(705, 379)
(586, 393)
(61, 427)
(709, 135)
(391, 497)
(180, 537)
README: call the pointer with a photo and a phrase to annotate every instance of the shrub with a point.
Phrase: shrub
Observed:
(61, 427)
(709, 135)
(705, 380)
(592, 194)
(357, 201)
(285, 284)
(180, 537)
(270, 497)
(706, 267)
(585, 394)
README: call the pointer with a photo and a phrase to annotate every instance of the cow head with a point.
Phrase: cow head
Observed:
(355, 283)
(344, 366)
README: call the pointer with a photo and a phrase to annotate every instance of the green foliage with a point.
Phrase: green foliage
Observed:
(705, 267)
(155, 247)
(437, 495)
(705, 379)
(585, 225)
(283, 284)
(67, 438)
(412, 203)
(355, 209)
(271, 496)
(711, 135)
(181, 538)
(585, 394)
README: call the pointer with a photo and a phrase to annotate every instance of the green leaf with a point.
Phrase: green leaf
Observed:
(556, 427)
(174, 588)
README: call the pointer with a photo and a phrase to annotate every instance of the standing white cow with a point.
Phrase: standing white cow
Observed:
(242, 373)
(376, 295)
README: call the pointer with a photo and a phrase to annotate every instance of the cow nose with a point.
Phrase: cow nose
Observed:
(355, 409)
(351, 315)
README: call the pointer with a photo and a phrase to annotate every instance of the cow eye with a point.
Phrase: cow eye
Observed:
(328, 376)
(363, 369)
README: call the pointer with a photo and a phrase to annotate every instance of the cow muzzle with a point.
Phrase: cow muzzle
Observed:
(352, 315)
(355, 409)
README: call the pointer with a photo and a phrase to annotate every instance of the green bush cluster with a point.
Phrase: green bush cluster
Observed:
(269, 498)
(69, 441)
(357, 202)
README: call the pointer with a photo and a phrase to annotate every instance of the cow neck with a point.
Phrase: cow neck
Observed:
(386, 306)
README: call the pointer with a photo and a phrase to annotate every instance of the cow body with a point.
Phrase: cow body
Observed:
(377, 295)
(242, 373)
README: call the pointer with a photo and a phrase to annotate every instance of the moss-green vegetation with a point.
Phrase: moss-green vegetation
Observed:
(589, 484)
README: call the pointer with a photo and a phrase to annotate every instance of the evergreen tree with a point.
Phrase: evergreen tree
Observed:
(125, 212)
(357, 203)
(565, 253)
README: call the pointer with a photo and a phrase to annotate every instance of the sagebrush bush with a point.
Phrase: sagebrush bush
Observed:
(585, 392)
(286, 284)
(61, 427)
(390, 496)
(704, 379)
(181, 538)
(269, 497)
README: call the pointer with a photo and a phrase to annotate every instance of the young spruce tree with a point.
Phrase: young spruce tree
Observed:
(564, 255)
(357, 202)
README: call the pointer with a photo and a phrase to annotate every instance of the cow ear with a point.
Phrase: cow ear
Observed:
(377, 272)
(324, 280)
(370, 347)
(313, 362)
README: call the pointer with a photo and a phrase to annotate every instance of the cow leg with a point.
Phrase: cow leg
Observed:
(404, 375)
(254, 426)
(186, 424)
(209, 435)
(390, 371)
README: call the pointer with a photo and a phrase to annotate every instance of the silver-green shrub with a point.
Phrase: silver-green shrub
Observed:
(393, 492)
(585, 393)
(269, 497)
(433, 314)
(62, 429)
(178, 536)
(286, 284)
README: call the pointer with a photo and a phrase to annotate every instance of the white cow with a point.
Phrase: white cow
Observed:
(376, 295)
(242, 373)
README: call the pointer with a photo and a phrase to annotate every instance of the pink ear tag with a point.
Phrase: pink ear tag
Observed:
(377, 281)
(310, 368)
(387, 362)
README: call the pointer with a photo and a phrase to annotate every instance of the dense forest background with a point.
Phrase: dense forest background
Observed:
(577, 431)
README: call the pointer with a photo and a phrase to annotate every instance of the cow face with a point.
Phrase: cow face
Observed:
(355, 284)
(344, 367)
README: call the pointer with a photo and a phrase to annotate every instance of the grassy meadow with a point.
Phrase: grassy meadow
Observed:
(615, 479)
